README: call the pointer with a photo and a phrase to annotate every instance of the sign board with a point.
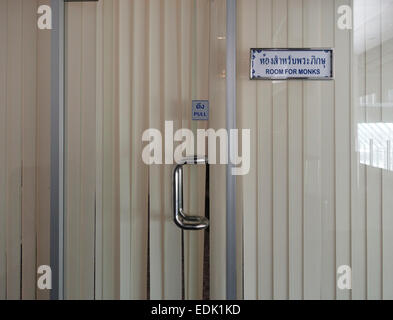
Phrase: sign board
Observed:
(286, 64)
(200, 110)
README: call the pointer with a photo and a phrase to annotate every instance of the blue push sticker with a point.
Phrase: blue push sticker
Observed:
(200, 110)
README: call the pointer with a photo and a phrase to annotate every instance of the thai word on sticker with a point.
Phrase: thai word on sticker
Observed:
(200, 110)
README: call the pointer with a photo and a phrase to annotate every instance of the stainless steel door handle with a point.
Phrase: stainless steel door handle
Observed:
(181, 219)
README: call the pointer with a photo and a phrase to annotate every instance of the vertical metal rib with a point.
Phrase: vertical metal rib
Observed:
(57, 148)
(231, 124)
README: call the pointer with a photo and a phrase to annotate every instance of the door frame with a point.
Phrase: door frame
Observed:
(57, 151)
(231, 274)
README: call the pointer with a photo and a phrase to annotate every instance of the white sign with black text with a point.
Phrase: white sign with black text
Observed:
(286, 64)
